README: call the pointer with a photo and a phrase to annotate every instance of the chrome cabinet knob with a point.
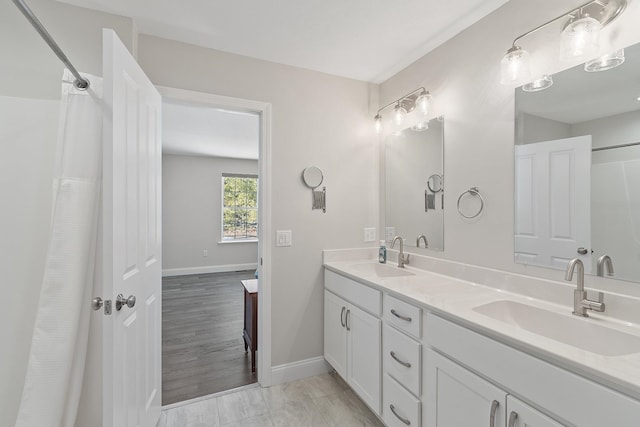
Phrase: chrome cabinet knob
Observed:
(122, 301)
(583, 251)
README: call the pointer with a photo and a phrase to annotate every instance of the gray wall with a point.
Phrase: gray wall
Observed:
(30, 87)
(463, 76)
(317, 119)
(191, 216)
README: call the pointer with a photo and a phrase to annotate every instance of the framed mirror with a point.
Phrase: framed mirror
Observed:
(414, 186)
(577, 170)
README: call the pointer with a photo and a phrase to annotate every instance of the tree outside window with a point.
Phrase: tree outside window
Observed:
(240, 207)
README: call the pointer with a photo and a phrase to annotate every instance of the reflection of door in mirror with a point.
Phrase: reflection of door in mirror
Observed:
(605, 107)
(411, 208)
(552, 202)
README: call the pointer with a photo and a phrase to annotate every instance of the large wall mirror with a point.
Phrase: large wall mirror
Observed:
(577, 170)
(414, 186)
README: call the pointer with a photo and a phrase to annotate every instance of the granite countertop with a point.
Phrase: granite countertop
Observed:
(455, 299)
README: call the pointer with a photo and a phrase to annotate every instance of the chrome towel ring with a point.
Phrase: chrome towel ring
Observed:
(473, 191)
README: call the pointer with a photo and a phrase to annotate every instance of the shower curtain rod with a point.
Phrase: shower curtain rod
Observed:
(81, 82)
(631, 144)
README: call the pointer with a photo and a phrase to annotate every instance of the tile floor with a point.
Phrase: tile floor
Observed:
(321, 401)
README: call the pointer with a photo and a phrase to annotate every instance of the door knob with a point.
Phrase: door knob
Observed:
(97, 303)
(121, 301)
(583, 251)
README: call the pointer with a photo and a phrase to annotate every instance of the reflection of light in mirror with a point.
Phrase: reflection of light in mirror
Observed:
(422, 126)
(542, 83)
(580, 38)
(605, 62)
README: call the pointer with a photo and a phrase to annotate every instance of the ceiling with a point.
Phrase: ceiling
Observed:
(577, 96)
(368, 40)
(197, 130)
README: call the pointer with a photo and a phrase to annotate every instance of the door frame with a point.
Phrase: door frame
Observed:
(264, 209)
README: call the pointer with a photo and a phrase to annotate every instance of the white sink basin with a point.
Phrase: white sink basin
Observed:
(571, 330)
(381, 270)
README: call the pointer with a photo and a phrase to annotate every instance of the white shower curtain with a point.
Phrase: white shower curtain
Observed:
(58, 348)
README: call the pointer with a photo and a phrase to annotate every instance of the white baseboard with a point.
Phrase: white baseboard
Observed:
(298, 370)
(208, 269)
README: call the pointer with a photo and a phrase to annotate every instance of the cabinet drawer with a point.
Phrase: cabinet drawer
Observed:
(361, 295)
(399, 405)
(405, 363)
(403, 316)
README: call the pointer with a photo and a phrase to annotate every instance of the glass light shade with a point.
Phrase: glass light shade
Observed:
(514, 67)
(399, 114)
(539, 84)
(423, 103)
(378, 124)
(605, 62)
(580, 38)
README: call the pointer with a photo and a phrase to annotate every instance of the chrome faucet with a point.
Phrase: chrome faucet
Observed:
(605, 261)
(580, 301)
(422, 237)
(402, 258)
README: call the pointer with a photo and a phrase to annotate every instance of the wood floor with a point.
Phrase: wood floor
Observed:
(320, 401)
(202, 347)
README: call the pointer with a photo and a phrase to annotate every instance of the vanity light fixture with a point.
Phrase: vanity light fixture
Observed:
(580, 35)
(419, 100)
(605, 62)
(399, 113)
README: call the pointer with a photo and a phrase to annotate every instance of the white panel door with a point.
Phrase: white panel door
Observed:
(552, 201)
(364, 338)
(131, 234)
(519, 414)
(335, 333)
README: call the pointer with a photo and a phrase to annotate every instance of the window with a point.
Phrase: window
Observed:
(239, 207)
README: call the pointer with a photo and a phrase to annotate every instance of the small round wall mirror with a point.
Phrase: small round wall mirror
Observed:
(312, 176)
(435, 183)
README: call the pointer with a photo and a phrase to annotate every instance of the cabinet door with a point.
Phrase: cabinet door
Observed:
(519, 414)
(364, 333)
(335, 333)
(456, 397)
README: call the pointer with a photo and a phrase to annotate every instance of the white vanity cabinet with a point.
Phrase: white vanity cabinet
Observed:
(461, 388)
(352, 336)
(461, 398)
(519, 414)
(402, 363)
(456, 397)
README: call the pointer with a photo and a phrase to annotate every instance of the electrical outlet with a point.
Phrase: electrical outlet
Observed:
(369, 234)
(205, 253)
(283, 238)
(389, 233)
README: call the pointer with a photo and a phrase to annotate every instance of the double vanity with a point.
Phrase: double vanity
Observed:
(427, 349)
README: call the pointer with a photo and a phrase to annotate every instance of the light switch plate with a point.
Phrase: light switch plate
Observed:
(369, 234)
(389, 233)
(283, 238)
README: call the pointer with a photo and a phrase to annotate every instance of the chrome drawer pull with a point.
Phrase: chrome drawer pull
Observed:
(403, 363)
(492, 414)
(342, 321)
(400, 316)
(513, 417)
(404, 420)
